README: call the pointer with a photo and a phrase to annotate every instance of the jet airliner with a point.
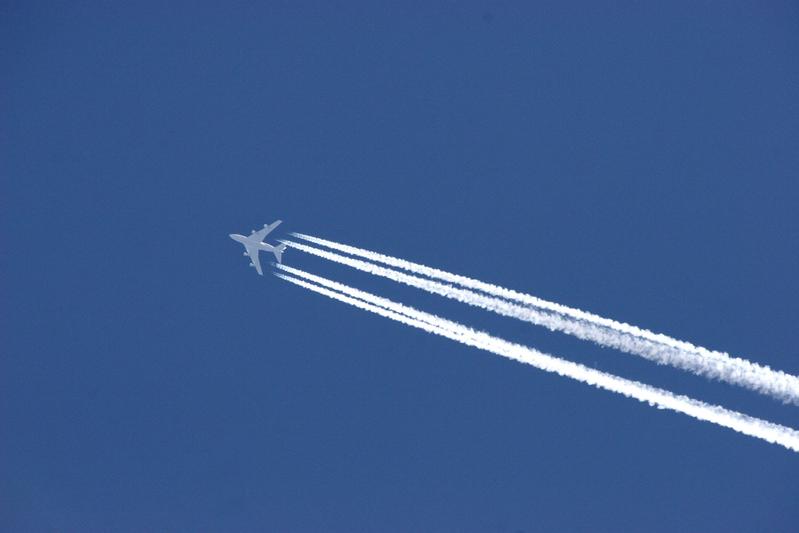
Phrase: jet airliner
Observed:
(254, 244)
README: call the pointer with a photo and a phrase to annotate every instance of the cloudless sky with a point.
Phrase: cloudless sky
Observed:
(635, 159)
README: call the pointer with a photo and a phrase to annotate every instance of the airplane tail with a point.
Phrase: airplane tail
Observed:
(278, 251)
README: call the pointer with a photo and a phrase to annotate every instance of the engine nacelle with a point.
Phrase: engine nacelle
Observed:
(245, 254)
(253, 266)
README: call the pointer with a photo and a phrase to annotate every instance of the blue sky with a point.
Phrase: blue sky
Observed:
(634, 160)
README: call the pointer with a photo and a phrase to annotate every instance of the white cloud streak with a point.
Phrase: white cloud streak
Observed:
(662, 399)
(606, 332)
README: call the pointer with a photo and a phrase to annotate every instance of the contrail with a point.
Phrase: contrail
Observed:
(655, 347)
(662, 399)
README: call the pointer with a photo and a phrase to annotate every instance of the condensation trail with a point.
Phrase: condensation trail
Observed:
(655, 347)
(662, 399)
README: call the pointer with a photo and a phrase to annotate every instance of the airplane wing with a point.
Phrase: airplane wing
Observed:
(261, 234)
(252, 251)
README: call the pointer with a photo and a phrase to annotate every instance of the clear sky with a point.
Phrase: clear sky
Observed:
(633, 159)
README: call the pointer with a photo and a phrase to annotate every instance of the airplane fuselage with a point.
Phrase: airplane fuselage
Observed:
(246, 241)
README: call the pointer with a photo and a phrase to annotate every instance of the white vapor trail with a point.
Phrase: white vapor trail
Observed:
(662, 399)
(653, 346)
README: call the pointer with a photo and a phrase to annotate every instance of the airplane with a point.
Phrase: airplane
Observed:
(254, 244)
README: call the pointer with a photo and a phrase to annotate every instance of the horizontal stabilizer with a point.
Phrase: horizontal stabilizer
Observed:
(278, 251)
